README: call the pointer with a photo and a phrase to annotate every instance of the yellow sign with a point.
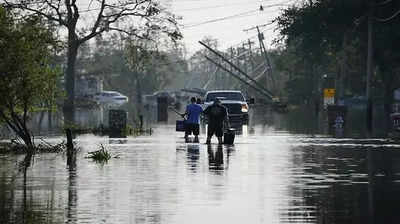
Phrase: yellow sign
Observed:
(329, 93)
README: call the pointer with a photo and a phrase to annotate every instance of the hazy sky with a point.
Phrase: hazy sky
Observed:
(226, 20)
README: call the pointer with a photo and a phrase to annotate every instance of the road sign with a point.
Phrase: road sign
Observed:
(329, 93)
(329, 96)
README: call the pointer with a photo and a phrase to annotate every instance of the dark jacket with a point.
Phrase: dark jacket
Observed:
(216, 114)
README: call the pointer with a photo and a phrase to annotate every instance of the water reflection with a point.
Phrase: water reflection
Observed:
(215, 159)
(342, 185)
(72, 216)
(22, 198)
(117, 141)
(193, 156)
(273, 177)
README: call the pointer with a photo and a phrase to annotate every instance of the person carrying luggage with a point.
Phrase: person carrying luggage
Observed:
(192, 124)
(217, 114)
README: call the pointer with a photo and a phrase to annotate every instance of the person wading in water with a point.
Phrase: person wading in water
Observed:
(216, 114)
(192, 124)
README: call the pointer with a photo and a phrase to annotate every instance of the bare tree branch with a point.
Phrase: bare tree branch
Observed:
(57, 10)
(98, 20)
(37, 11)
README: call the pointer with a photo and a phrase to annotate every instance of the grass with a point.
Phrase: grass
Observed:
(102, 155)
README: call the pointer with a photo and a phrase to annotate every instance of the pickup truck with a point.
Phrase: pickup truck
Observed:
(235, 102)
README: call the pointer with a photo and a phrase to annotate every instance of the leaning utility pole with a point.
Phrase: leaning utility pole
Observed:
(237, 69)
(237, 76)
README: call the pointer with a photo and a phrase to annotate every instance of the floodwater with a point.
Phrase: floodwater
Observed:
(265, 177)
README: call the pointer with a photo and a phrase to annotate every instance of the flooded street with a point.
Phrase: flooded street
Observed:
(265, 177)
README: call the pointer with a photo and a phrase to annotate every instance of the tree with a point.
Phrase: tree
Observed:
(326, 36)
(340, 33)
(203, 72)
(27, 81)
(138, 18)
(151, 68)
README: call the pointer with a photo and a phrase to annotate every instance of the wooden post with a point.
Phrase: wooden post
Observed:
(71, 159)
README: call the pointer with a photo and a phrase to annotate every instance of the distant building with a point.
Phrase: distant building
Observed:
(86, 86)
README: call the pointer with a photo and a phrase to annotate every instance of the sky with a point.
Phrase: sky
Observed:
(230, 21)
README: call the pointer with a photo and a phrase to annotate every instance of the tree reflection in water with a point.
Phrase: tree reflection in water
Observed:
(17, 197)
(344, 185)
(72, 193)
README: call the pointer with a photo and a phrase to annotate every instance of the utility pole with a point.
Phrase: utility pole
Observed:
(248, 56)
(264, 51)
(245, 64)
(231, 68)
(251, 55)
(370, 65)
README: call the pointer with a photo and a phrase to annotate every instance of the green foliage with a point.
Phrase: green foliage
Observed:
(101, 156)
(329, 37)
(27, 80)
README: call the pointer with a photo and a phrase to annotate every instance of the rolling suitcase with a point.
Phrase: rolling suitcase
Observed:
(229, 136)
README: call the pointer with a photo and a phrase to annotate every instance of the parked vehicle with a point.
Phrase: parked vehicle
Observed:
(111, 98)
(235, 102)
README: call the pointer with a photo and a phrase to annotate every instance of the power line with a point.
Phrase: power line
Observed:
(240, 15)
(262, 25)
(243, 14)
(215, 6)
(251, 37)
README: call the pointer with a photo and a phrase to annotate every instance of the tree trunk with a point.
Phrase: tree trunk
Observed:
(50, 120)
(69, 108)
(27, 138)
(71, 158)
